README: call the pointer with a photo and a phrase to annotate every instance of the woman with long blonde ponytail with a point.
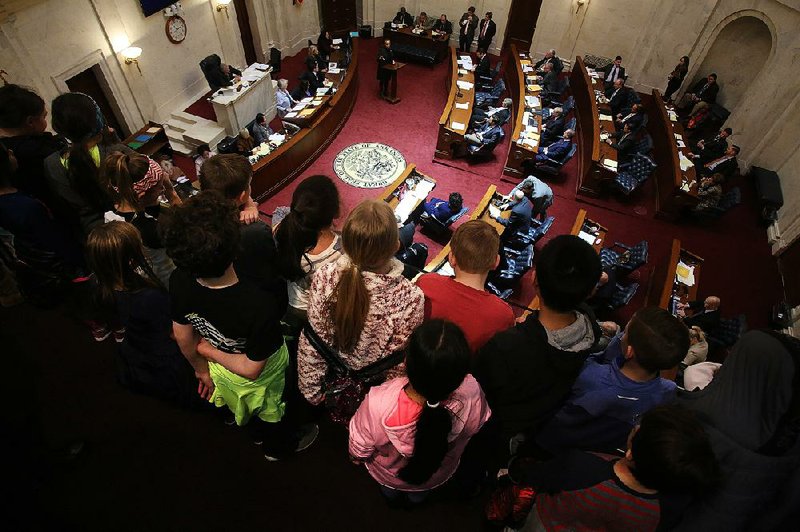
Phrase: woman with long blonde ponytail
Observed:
(360, 306)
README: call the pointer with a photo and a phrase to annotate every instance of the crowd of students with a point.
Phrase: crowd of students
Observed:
(565, 419)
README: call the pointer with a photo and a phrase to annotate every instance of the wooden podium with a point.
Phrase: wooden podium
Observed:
(393, 68)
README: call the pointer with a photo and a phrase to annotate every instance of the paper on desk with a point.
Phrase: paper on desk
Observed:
(277, 138)
(336, 41)
(153, 130)
(301, 105)
(610, 164)
(462, 105)
(684, 162)
(291, 114)
(446, 270)
(606, 118)
(306, 100)
(466, 85)
(462, 71)
(681, 144)
(533, 101)
(679, 137)
(322, 91)
(404, 208)
(534, 87)
(583, 235)
(527, 68)
(673, 117)
(457, 125)
(334, 70)
(531, 142)
(684, 274)
(494, 212)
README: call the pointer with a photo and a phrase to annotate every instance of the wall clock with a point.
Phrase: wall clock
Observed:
(176, 29)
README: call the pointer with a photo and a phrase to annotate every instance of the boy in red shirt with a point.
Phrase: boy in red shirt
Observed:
(462, 299)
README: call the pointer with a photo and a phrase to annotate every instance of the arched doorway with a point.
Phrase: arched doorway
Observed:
(737, 55)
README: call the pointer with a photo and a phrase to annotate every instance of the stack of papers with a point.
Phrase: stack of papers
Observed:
(606, 118)
(462, 105)
(684, 274)
(611, 165)
(291, 114)
(681, 144)
(466, 85)
(336, 41)
(306, 100)
(533, 101)
(684, 162)
(334, 70)
(672, 116)
(494, 212)
(446, 270)
(458, 126)
(586, 237)
(534, 88)
(322, 91)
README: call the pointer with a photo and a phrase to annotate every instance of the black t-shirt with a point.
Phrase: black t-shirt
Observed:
(236, 319)
(257, 262)
(147, 224)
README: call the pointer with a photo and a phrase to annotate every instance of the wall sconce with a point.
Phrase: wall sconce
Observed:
(223, 4)
(580, 5)
(131, 55)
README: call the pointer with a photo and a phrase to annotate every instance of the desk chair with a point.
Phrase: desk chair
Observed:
(569, 105)
(483, 151)
(571, 123)
(727, 332)
(438, 227)
(645, 145)
(513, 265)
(729, 200)
(632, 175)
(486, 99)
(626, 261)
(551, 167)
(622, 295)
(537, 231)
(275, 61)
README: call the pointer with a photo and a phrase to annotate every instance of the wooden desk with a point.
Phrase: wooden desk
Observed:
(393, 193)
(664, 286)
(676, 190)
(451, 140)
(280, 167)
(481, 212)
(592, 151)
(520, 151)
(238, 105)
(153, 144)
(425, 41)
(318, 104)
(581, 223)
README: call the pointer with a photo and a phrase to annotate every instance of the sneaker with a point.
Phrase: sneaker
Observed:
(304, 438)
(119, 335)
(100, 333)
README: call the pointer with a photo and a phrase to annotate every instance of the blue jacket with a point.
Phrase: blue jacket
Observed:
(490, 134)
(603, 405)
(520, 219)
(439, 209)
(557, 150)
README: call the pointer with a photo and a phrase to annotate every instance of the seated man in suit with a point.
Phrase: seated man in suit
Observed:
(553, 127)
(314, 77)
(624, 142)
(303, 90)
(423, 22)
(725, 165)
(701, 95)
(521, 214)
(618, 98)
(706, 313)
(711, 149)
(538, 192)
(261, 130)
(549, 79)
(441, 209)
(219, 74)
(558, 149)
(550, 58)
(403, 17)
(443, 25)
(612, 72)
(502, 114)
(635, 118)
(489, 133)
(484, 67)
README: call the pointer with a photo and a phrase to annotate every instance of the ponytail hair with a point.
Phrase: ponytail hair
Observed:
(77, 117)
(120, 171)
(315, 204)
(437, 361)
(369, 239)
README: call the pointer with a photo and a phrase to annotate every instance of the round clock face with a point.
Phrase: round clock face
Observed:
(176, 29)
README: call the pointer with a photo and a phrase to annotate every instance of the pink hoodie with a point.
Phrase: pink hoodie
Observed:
(386, 448)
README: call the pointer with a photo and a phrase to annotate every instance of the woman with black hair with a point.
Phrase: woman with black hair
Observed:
(306, 240)
(74, 173)
(675, 78)
(410, 432)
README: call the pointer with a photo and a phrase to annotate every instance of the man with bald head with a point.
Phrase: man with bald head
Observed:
(550, 58)
(706, 314)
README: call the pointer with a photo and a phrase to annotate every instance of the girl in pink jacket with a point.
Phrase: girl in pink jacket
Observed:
(410, 432)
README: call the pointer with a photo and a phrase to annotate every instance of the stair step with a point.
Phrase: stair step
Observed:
(181, 147)
(176, 126)
(202, 134)
(183, 116)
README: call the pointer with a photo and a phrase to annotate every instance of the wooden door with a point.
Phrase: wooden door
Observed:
(338, 16)
(91, 82)
(243, 19)
(522, 18)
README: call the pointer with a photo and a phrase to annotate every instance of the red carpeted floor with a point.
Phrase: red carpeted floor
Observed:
(738, 264)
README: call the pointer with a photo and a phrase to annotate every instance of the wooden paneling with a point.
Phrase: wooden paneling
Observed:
(450, 141)
(522, 18)
(338, 16)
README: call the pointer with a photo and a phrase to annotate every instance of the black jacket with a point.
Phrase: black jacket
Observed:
(625, 145)
(558, 66)
(554, 128)
(712, 149)
(385, 57)
(707, 321)
(314, 80)
(526, 379)
(620, 101)
(609, 67)
(403, 18)
(726, 168)
(484, 68)
(706, 93)
(446, 27)
(486, 40)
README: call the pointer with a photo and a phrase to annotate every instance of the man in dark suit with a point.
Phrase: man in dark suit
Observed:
(725, 165)
(403, 17)
(550, 57)
(553, 127)
(483, 68)
(521, 215)
(612, 72)
(618, 98)
(385, 57)
(501, 114)
(558, 149)
(466, 29)
(706, 314)
(489, 133)
(303, 90)
(708, 150)
(624, 142)
(486, 31)
(443, 25)
(314, 77)
(549, 80)
(635, 118)
(701, 95)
